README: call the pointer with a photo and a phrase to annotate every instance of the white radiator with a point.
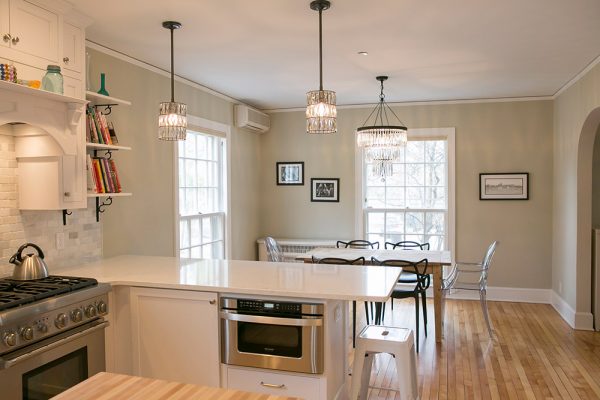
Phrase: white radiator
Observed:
(292, 248)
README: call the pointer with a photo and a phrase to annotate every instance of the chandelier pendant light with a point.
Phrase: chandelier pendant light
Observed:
(382, 140)
(172, 118)
(321, 112)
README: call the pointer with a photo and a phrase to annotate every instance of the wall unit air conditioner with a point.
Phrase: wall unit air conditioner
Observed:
(250, 118)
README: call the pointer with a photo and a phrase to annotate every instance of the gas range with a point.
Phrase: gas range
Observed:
(31, 311)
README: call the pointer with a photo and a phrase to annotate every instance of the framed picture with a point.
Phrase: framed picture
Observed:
(290, 173)
(507, 186)
(325, 189)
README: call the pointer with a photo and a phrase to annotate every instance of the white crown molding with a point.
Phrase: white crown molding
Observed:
(577, 77)
(152, 68)
(422, 103)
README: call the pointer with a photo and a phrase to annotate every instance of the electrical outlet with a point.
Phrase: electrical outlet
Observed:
(60, 240)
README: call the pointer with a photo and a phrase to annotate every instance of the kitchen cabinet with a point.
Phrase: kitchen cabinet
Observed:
(175, 335)
(30, 31)
(72, 58)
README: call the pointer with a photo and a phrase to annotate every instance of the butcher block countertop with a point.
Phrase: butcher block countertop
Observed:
(298, 280)
(108, 386)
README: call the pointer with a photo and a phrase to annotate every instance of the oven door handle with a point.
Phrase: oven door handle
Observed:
(7, 362)
(260, 319)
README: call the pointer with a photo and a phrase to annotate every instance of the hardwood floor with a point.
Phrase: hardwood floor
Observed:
(535, 354)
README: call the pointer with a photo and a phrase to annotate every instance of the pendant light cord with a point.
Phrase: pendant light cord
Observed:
(172, 69)
(320, 48)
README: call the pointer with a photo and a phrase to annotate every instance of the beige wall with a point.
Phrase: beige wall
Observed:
(490, 137)
(576, 119)
(596, 187)
(144, 223)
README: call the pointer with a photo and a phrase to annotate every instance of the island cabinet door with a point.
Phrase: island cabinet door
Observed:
(175, 335)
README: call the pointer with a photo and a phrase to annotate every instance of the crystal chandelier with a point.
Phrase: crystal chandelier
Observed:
(172, 119)
(321, 112)
(381, 140)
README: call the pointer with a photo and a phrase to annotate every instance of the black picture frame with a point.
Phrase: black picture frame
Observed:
(290, 173)
(504, 186)
(325, 190)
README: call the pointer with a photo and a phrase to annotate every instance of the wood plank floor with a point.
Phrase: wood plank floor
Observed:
(535, 354)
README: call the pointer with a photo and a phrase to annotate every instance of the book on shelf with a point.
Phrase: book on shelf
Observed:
(98, 129)
(102, 176)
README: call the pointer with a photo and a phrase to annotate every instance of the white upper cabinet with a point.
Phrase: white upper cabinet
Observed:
(33, 33)
(4, 24)
(72, 54)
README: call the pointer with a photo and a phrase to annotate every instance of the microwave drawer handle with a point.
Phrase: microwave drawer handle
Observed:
(272, 385)
(7, 363)
(260, 319)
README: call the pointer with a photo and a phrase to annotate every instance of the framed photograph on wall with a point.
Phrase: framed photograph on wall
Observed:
(504, 186)
(325, 189)
(290, 173)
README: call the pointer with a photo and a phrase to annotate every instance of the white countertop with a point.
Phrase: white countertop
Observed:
(309, 281)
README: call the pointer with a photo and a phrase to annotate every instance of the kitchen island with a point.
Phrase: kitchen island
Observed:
(166, 318)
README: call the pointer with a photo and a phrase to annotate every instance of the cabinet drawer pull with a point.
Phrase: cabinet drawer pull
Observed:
(272, 385)
(212, 302)
(66, 60)
(15, 40)
(6, 37)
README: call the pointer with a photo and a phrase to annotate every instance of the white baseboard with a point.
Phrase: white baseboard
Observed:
(577, 320)
(495, 293)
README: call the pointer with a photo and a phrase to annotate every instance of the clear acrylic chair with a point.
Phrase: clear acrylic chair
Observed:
(274, 252)
(459, 279)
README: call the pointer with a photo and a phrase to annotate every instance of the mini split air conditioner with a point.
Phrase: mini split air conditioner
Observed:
(247, 117)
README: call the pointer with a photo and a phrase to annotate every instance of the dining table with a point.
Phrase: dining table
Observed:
(436, 260)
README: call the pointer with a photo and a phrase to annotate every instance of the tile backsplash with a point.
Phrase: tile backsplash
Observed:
(82, 234)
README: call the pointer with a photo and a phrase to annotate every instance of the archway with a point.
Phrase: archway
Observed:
(585, 154)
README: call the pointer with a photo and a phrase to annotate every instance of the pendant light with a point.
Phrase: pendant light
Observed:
(172, 119)
(321, 112)
(382, 141)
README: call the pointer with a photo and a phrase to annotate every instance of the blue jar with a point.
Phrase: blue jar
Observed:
(53, 80)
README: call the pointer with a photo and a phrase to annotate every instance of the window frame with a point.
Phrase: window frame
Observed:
(207, 127)
(447, 134)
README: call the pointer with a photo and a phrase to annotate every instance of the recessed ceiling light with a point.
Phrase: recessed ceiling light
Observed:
(363, 53)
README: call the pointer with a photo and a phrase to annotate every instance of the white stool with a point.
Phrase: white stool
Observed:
(400, 343)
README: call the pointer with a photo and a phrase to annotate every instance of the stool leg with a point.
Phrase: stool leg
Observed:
(357, 370)
(366, 376)
(407, 374)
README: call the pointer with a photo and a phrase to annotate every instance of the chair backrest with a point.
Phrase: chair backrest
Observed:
(273, 250)
(357, 244)
(487, 259)
(414, 267)
(407, 245)
(342, 261)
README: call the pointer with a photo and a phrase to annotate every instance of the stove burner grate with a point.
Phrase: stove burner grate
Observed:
(16, 293)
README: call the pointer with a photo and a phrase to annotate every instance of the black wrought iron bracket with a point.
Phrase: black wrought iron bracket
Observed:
(107, 153)
(65, 213)
(107, 107)
(100, 206)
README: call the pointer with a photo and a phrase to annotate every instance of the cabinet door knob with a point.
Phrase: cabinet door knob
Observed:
(66, 60)
(15, 40)
(212, 302)
(67, 194)
(6, 37)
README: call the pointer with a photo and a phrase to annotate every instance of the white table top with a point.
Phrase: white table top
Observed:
(434, 257)
(298, 280)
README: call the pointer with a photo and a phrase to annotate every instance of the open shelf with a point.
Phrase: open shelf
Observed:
(99, 146)
(122, 194)
(16, 88)
(100, 99)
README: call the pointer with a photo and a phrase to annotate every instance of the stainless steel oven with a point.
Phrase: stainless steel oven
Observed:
(51, 335)
(270, 334)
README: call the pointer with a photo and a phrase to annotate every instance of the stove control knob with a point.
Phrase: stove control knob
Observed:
(60, 321)
(76, 315)
(26, 333)
(90, 311)
(102, 308)
(42, 327)
(10, 338)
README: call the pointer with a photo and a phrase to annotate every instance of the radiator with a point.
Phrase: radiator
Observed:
(293, 248)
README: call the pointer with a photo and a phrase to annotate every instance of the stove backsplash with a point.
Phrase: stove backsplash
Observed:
(82, 234)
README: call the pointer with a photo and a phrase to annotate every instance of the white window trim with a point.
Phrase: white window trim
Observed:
(203, 125)
(423, 133)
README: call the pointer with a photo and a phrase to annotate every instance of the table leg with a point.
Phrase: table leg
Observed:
(437, 301)
(354, 324)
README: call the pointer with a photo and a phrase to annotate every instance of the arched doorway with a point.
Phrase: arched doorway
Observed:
(585, 184)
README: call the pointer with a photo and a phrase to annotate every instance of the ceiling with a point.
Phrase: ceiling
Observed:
(265, 52)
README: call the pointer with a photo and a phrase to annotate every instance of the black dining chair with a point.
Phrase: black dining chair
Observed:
(343, 261)
(404, 291)
(406, 276)
(357, 244)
